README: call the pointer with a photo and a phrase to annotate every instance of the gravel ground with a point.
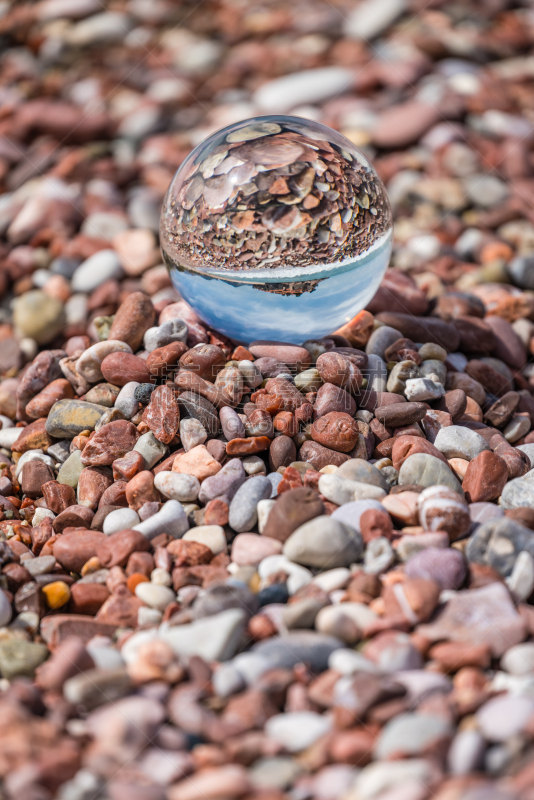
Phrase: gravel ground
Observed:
(272, 571)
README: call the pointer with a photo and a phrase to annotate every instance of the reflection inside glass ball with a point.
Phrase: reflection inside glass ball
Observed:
(276, 228)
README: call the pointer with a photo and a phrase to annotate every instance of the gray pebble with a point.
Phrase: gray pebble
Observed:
(458, 442)
(498, 543)
(231, 423)
(243, 513)
(324, 542)
(100, 267)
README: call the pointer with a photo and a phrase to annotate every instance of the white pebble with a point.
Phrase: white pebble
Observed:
(155, 596)
(177, 486)
(120, 520)
(210, 535)
(161, 577)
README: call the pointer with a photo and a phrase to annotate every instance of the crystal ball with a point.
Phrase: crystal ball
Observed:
(276, 228)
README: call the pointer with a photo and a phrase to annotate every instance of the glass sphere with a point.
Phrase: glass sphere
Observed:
(276, 228)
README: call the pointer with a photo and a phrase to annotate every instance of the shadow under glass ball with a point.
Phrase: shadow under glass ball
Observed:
(276, 228)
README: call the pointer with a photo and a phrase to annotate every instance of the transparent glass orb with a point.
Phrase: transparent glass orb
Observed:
(276, 228)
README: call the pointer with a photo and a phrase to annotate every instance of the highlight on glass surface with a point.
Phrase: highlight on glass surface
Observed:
(276, 228)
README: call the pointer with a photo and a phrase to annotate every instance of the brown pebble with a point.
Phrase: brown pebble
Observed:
(336, 430)
(485, 478)
(133, 318)
(122, 368)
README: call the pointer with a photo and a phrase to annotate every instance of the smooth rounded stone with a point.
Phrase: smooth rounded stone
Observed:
(277, 772)
(380, 339)
(119, 520)
(297, 730)
(426, 470)
(231, 424)
(283, 451)
(521, 270)
(275, 478)
(32, 455)
(251, 374)
(345, 621)
(528, 449)
(466, 752)
(192, 433)
(102, 266)
(349, 662)
(296, 647)
(336, 489)
(360, 471)
(447, 567)
(70, 471)
(8, 437)
(399, 779)
(88, 364)
(458, 442)
(150, 448)
(210, 535)
(19, 658)
(243, 511)
(248, 549)
(213, 638)
(411, 735)
(423, 389)
(518, 427)
(297, 576)
(171, 519)
(504, 717)
(519, 660)
(396, 415)
(292, 509)
(5, 608)
(379, 556)
(155, 596)
(333, 579)
(308, 381)
(254, 465)
(350, 513)
(434, 369)
(177, 486)
(173, 330)
(225, 483)
(68, 418)
(38, 316)
(301, 88)
(325, 543)
(498, 543)
(126, 402)
(521, 581)
(264, 508)
(41, 565)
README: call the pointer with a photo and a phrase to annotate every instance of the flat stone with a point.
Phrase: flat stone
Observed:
(68, 418)
(479, 616)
